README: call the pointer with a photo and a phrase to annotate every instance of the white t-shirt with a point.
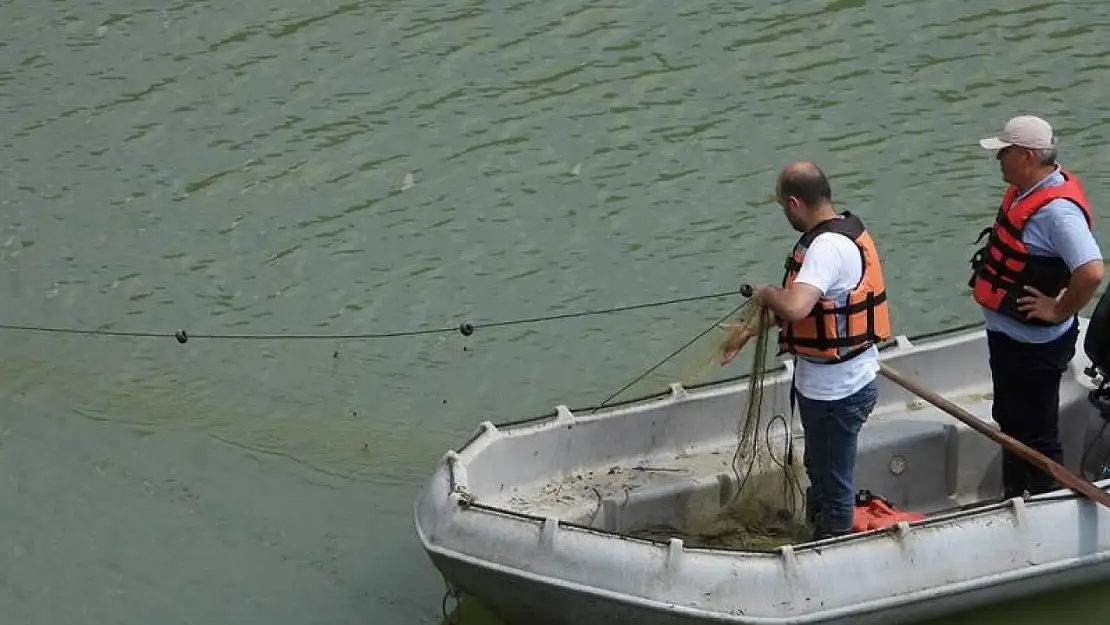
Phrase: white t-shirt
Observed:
(832, 264)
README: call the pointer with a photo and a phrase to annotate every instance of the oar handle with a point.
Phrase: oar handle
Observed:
(1053, 468)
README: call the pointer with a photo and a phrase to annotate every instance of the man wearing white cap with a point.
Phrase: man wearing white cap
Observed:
(1039, 267)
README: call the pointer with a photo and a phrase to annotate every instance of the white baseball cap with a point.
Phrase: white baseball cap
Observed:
(1025, 131)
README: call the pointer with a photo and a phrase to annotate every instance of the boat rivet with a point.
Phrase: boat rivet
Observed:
(897, 464)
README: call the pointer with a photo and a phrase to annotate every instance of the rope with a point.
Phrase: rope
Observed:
(466, 328)
(451, 617)
(790, 482)
(747, 444)
(671, 355)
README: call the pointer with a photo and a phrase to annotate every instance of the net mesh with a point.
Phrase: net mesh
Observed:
(763, 510)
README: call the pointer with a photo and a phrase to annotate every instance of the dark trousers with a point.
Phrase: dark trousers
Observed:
(1026, 380)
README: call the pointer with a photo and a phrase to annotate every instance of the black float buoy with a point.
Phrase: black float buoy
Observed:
(466, 328)
(181, 336)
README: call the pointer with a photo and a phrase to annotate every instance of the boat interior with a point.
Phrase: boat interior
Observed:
(677, 465)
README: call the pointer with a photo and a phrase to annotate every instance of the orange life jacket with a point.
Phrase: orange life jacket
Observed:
(1002, 267)
(832, 333)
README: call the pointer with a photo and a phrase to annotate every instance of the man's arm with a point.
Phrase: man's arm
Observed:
(822, 267)
(1084, 282)
(1069, 236)
(789, 304)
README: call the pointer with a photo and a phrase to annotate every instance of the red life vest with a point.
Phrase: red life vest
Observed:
(863, 317)
(1002, 267)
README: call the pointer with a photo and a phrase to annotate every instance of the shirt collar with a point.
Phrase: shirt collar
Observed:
(1043, 181)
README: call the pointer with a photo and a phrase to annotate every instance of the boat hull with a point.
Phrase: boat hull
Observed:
(535, 520)
(522, 600)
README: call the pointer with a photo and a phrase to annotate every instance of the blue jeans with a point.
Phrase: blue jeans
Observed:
(831, 431)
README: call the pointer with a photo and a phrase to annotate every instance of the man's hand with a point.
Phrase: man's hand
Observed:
(739, 335)
(760, 294)
(1081, 288)
(1037, 305)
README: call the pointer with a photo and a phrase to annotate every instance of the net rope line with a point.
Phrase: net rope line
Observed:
(466, 328)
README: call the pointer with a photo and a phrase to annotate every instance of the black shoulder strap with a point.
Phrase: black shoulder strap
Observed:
(846, 224)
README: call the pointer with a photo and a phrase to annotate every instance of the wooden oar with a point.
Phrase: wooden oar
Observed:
(1049, 466)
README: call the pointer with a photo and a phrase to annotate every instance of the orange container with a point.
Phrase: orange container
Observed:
(873, 512)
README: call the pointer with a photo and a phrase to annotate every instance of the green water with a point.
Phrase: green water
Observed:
(353, 167)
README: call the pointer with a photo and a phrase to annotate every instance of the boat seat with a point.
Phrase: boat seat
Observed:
(912, 464)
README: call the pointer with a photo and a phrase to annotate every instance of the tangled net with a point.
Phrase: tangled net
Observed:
(753, 502)
(762, 512)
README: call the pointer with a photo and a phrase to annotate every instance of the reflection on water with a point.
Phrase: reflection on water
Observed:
(469, 611)
(1083, 604)
(352, 442)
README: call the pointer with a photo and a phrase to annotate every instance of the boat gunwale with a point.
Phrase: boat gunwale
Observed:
(677, 392)
(970, 511)
(511, 425)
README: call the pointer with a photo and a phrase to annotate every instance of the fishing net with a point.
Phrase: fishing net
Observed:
(763, 510)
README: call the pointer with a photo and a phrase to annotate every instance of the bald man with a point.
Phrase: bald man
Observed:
(832, 311)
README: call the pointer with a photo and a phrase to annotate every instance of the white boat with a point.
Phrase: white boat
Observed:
(536, 519)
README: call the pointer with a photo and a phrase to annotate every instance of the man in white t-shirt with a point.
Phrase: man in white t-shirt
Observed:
(832, 311)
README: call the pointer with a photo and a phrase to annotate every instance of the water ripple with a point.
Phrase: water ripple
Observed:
(357, 165)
